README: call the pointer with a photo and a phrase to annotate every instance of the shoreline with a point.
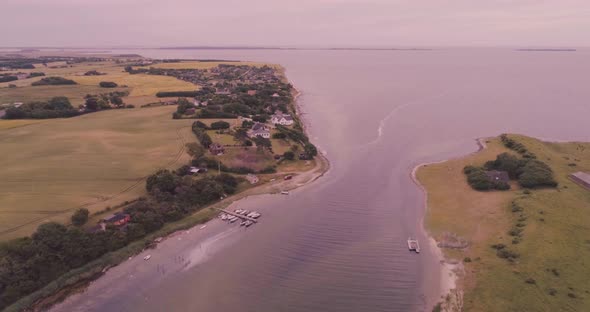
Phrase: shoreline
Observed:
(300, 179)
(450, 269)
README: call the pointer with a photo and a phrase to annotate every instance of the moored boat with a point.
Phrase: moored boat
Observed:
(413, 245)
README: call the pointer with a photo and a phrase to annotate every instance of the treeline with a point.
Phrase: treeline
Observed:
(176, 94)
(57, 107)
(529, 172)
(28, 264)
(54, 81)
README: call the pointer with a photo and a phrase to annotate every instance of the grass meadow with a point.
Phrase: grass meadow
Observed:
(552, 271)
(97, 160)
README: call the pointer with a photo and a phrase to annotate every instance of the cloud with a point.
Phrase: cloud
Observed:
(289, 22)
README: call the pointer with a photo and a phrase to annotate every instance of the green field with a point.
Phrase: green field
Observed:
(552, 271)
(95, 160)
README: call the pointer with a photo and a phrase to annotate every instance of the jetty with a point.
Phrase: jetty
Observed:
(238, 215)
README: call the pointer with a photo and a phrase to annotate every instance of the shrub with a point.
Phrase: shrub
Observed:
(108, 84)
(467, 259)
(530, 281)
(8, 78)
(478, 179)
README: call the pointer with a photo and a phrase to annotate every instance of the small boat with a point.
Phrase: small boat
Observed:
(243, 223)
(413, 245)
(233, 219)
(248, 223)
(146, 258)
(284, 193)
(254, 215)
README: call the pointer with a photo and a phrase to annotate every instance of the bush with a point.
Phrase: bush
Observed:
(478, 179)
(80, 217)
(8, 78)
(53, 81)
(108, 84)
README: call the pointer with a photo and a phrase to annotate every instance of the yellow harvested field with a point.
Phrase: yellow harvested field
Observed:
(139, 85)
(549, 271)
(95, 160)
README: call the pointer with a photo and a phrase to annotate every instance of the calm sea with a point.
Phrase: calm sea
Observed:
(340, 243)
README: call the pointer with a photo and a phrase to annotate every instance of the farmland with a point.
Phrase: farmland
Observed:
(142, 88)
(544, 231)
(96, 160)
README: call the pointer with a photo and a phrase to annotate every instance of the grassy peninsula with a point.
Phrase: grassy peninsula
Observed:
(203, 134)
(517, 249)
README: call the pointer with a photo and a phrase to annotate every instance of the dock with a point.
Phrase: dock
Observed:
(238, 215)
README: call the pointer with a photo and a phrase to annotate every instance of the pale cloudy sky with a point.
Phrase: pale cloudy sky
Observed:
(383, 23)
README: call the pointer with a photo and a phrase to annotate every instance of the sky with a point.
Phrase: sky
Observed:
(294, 23)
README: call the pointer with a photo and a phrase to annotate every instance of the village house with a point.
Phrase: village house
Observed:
(22, 76)
(195, 170)
(216, 149)
(281, 119)
(253, 179)
(259, 130)
(117, 219)
(196, 103)
(252, 92)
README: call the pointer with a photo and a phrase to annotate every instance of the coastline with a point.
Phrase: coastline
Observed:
(450, 270)
(65, 294)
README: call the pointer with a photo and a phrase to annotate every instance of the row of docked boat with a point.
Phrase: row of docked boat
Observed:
(247, 217)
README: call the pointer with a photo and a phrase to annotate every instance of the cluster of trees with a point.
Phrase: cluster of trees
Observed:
(36, 74)
(8, 78)
(57, 107)
(479, 180)
(207, 113)
(108, 84)
(298, 135)
(529, 172)
(54, 81)
(28, 264)
(102, 101)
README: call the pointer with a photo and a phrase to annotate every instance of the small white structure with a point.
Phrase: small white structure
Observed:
(276, 95)
(281, 119)
(253, 179)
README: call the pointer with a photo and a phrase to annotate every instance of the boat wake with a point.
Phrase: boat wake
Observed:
(396, 109)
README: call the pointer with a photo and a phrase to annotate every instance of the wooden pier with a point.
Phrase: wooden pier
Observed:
(238, 215)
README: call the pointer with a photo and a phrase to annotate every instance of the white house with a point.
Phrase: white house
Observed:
(259, 130)
(281, 119)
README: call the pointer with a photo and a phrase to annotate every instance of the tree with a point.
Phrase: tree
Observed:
(91, 103)
(163, 180)
(262, 142)
(220, 125)
(80, 217)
